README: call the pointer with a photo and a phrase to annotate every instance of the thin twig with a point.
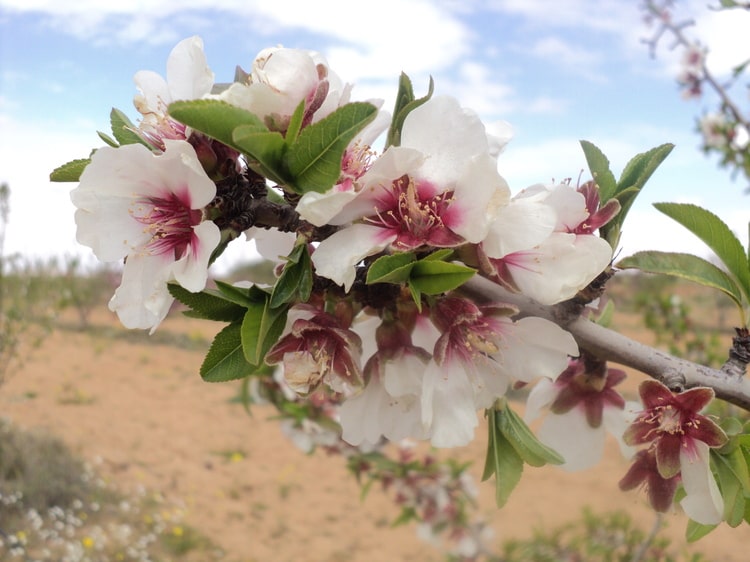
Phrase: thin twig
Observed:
(643, 548)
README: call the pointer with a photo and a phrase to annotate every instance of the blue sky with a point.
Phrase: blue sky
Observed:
(557, 71)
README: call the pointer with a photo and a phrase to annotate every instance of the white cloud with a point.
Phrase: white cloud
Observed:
(576, 60)
(604, 15)
(418, 35)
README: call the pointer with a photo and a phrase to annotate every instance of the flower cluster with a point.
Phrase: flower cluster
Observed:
(369, 316)
(420, 362)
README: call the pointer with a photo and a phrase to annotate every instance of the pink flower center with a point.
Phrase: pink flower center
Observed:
(417, 214)
(666, 419)
(169, 221)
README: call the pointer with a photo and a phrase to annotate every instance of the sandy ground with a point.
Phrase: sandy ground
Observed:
(143, 409)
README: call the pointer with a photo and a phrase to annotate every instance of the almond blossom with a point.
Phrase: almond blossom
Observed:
(280, 80)
(439, 188)
(583, 407)
(543, 243)
(147, 208)
(316, 348)
(389, 405)
(188, 78)
(481, 350)
(681, 438)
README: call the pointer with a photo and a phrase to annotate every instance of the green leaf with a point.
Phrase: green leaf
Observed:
(416, 296)
(405, 104)
(295, 123)
(529, 448)
(696, 531)
(207, 305)
(394, 268)
(225, 360)
(715, 234)
(435, 277)
(314, 160)
(123, 129)
(265, 149)
(242, 296)
(607, 315)
(642, 166)
(295, 280)
(108, 140)
(502, 460)
(71, 171)
(215, 118)
(637, 171)
(600, 171)
(441, 255)
(685, 266)
(261, 327)
(404, 97)
(731, 487)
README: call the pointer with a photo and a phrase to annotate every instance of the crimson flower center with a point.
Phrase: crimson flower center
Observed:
(417, 214)
(668, 419)
(169, 222)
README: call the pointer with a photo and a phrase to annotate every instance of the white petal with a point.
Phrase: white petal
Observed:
(448, 410)
(403, 375)
(559, 267)
(541, 396)
(188, 74)
(449, 134)
(570, 206)
(290, 73)
(489, 382)
(361, 415)
(272, 244)
(365, 325)
(320, 208)
(499, 135)
(570, 435)
(479, 193)
(616, 421)
(520, 225)
(534, 347)
(337, 255)
(703, 502)
(155, 96)
(191, 271)
(142, 299)
(181, 173)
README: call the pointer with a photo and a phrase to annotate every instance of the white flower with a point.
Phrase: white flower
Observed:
(283, 78)
(583, 406)
(146, 208)
(389, 405)
(541, 245)
(481, 350)
(188, 78)
(440, 188)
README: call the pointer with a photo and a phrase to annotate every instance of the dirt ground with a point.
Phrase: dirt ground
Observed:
(141, 407)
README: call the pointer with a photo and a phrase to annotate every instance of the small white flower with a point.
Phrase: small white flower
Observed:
(188, 78)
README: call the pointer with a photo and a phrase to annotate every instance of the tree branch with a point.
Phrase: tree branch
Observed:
(678, 374)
